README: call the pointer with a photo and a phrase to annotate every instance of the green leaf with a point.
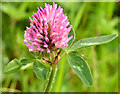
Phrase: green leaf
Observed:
(92, 41)
(81, 68)
(26, 61)
(12, 66)
(72, 33)
(40, 70)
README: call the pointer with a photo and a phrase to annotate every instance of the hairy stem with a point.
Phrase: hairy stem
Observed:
(51, 79)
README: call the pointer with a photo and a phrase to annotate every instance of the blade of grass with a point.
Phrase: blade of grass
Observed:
(110, 9)
(79, 16)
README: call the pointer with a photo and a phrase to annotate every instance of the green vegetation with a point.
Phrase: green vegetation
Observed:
(88, 20)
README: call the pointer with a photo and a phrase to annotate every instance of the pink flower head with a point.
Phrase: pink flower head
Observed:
(48, 29)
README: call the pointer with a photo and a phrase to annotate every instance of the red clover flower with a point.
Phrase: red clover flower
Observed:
(48, 30)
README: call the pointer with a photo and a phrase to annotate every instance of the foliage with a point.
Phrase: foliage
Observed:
(88, 20)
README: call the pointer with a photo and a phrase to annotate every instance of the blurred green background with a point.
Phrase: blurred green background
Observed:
(89, 19)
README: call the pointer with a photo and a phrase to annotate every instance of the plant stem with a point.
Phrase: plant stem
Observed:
(51, 79)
